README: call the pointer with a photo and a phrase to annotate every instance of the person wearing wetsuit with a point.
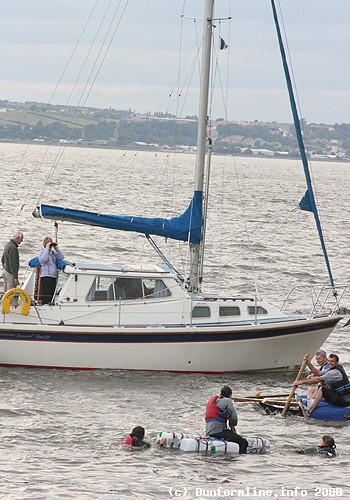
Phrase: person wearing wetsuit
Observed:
(135, 438)
(326, 448)
(220, 413)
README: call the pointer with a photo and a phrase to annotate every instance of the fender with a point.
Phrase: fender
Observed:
(9, 295)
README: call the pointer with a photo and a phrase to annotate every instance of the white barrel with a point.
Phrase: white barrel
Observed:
(190, 442)
(258, 445)
(171, 439)
(208, 445)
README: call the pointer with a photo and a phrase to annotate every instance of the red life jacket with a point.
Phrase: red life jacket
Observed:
(130, 440)
(213, 412)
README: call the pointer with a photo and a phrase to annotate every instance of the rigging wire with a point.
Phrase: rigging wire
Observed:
(290, 64)
(216, 74)
(62, 147)
(24, 155)
(94, 72)
(240, 191)
(251, 230)
(186, 70)
(223, 181)
(310, 193)
(175, 145)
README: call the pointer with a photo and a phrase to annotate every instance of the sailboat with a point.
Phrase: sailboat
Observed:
(152, 318)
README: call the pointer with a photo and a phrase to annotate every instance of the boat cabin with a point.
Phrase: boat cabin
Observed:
(115, 295)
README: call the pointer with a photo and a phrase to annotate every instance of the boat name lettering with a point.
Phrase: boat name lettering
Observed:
(17, 335)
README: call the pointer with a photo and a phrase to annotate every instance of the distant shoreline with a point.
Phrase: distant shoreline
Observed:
(165, 151)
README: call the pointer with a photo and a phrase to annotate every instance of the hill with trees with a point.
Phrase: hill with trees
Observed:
(126, 129)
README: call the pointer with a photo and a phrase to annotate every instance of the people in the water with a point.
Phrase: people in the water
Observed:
(326, 448)
(221, 419)
(136, 438)
(334, 388)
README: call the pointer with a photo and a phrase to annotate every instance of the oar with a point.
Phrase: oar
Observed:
(279, 402)
(302, 368)
(253, 399)
(246, 400)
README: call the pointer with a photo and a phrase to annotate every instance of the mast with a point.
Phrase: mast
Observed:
(196, 251)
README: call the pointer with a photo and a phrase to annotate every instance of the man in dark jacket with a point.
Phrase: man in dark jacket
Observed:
(10, 261)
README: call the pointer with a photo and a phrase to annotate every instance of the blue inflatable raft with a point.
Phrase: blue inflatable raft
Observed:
(326, 411)
(323, 411)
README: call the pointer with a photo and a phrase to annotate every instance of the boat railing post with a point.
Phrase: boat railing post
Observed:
(286, 300)
(323, 304)
(191, 311)
(182, 314)
(120, 310)
(318, 303)
(256, 309)
(330, 293)
(313, 301)
(37, 313)
(339, 298)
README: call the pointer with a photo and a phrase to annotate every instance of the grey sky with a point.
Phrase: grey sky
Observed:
(37, 38)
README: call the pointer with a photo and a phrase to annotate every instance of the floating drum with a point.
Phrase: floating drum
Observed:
(208, 445)
(171, 439)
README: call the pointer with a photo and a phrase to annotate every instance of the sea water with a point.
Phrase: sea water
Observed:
(61, 430)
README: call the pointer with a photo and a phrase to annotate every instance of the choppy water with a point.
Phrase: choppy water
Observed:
(59, 429)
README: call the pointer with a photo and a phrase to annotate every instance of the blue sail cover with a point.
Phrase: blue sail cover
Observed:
(186, 227)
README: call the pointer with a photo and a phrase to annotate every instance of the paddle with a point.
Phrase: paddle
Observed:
(279, 402)
(255, 399)
(302, 368)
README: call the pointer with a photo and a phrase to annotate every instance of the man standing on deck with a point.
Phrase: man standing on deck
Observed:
(10, 261)
(219, 412)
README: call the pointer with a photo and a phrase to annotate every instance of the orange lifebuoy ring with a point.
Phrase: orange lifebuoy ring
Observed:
(11, 294)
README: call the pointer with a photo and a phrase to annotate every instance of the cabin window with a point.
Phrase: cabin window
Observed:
(201, 312)
(155, 289)
(259, 310)
(110, 288)
(98, 290)
(229, 311)
(125, 288)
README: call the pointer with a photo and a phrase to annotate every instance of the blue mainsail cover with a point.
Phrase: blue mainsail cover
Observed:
(186, 227)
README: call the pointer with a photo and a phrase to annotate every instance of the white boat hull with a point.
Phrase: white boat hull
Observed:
(211, 349)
